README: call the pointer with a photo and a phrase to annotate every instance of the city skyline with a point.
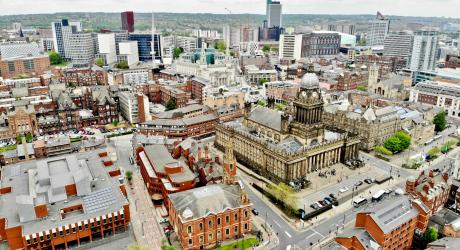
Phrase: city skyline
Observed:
(391, 7)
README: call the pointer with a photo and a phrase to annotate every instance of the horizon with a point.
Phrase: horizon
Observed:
(410, 8)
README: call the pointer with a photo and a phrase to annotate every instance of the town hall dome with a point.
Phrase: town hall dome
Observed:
(309, 81)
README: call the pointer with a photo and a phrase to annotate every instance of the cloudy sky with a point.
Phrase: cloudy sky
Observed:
(447, 8)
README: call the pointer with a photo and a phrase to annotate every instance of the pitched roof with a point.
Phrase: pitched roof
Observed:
(267, 117)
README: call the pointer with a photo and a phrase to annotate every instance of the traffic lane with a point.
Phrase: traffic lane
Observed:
(385, 166)
(334, 189)
(274, 221)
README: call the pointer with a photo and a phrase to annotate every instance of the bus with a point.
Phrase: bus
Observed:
(378, 196)
(359, 202)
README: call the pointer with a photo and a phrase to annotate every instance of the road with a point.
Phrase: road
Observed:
(322, 230)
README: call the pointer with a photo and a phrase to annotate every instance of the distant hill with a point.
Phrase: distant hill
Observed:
(183, 21)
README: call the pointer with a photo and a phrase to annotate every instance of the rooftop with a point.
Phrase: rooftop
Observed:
(44, 182)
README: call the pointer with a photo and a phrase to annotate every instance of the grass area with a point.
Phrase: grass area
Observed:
(8, 148)
(63, 64)
(247, 243)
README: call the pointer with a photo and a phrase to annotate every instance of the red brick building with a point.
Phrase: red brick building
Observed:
(351, 80)
(163, 174)
(81, 77)
(25, 66)
(452, 61)
(203, 216)
(388, 228)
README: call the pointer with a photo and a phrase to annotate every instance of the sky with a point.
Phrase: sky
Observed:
(439, 8)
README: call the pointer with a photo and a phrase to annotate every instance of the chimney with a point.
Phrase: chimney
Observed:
(217, 160)
(426, 188)
(445, 176)
(431, 173)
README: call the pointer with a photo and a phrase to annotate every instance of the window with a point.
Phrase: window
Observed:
(210, 224)
(201, 226)
(190, 242)
(218, 234)
(28, 64)
(218, 221)
(227, 231)
(201, 238)
(236, 229)
(227, 219)
(210, 237)
(245, 226)
(246, 213)
(11, 67)
(189, 229)
(236, 217)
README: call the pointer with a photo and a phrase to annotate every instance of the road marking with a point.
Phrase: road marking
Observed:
(277, 223)
(317, 232)
(288, 234)
(309, 236)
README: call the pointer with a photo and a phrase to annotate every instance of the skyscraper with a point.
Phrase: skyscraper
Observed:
(377, 30)
(423, 57)
(127, 21)
(71, 43)
(274, 10)
(398, 44)
(144, 43)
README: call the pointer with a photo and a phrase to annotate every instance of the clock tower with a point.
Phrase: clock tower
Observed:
(308, 106)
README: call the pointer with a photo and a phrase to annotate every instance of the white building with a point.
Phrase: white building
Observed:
(424, 49)
(290, 46)
(231, 36)
(134, 107)
(128, 52)
(377, 31)
(274, 14)
(107, 48)
(398, 44)
(442, 95)
(80, 49)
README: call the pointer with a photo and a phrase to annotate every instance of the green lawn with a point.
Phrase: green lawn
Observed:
(8, 148)
(247, 244)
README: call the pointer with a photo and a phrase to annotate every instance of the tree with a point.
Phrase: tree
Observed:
(19, 139)
(393, 144)
(284, 193)
(266, 48)
(220, 46)
(382, 150)
(404, 138)
(433, 152)
(123, 65)
(262, 81)
(99, 62)
(129, 175)
(362, 88)
(440, 122)
(362, 42)
(177, 51)
(171, 104)
(55, 58)
(29, 137)
(430, 235)
(166, 246)
(262, 103)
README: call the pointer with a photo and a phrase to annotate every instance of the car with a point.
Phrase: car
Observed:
(332, 196)
(359, 183)
(255, 212)
(313, 206)
(316, 206)
(368, 181)
(163, 220)
(343, 190)
(319, 204)
(322, 203)
(326, 202)
(168, 228)
(329, 199)
(388, 191)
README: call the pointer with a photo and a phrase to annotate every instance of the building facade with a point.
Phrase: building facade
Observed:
(443, 95)
(424, 49)
(290, 46)
(287, 146)
(398, 44)
(127, 21)
(320, 43)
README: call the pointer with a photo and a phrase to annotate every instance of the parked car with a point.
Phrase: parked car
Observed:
(368, 181)
(343, 190)
(388, 191)
(332, 196)
(163, 220)
(359, 183)
(168, 228)
(329, 199)
(326, 202)
(255, 212)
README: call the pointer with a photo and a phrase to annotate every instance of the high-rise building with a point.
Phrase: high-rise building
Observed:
(127, 21)
(231, 36)
(144, 43)
(378, 30)
(320, 43)
(424, 49)
(72, 44)
(398, 44)
(274, 14)
(290, 46)
(128, 52)
(107, 48)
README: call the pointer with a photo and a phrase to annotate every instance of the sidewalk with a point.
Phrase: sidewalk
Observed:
(269, 238)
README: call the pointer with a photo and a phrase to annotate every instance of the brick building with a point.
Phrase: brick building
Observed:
(24, 66)
(81, 77)
(62, 202)
(391, 227)
(210, 214)
(162, 174)
(351, 80)
(452, 61)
